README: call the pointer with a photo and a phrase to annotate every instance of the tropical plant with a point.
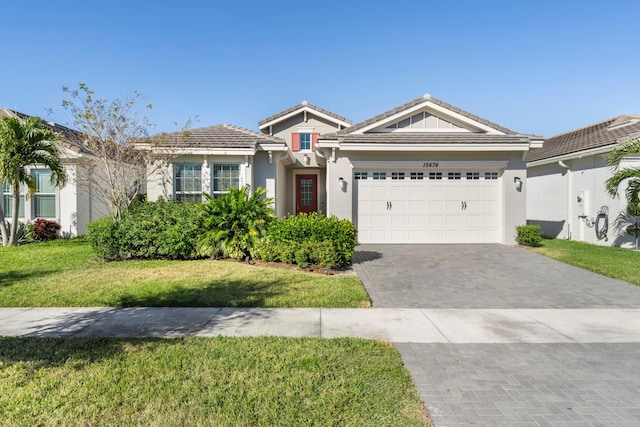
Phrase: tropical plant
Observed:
(629, 221)
(629, 174)
(235, 222)
(23, 143)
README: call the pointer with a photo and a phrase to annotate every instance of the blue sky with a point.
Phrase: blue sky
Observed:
(541, 67)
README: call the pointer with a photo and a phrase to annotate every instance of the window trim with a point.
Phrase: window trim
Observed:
(215, 194)
(38, 194)
(186, 194)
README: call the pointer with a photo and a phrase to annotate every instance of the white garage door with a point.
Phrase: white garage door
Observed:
(428, 207)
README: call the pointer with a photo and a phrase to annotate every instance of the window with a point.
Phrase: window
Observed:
(397, 175)
(435, 175)
(379, 175)
(305, 141)
(361, 175)
(7, 201)
(225, 177)
(44, 201)
(473, 175)
(454, 175)
(417, 175)
(188, 182)
(491, 175)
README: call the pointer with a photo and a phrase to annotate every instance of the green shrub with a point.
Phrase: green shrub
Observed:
(44, 230)
(234, 223)
(309, 239)
(529, 235)
(162, 229)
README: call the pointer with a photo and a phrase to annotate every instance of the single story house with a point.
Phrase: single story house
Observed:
(72, 206)
(566, 194)
(423, 172)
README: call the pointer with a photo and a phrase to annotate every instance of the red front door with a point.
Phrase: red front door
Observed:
(306, 193)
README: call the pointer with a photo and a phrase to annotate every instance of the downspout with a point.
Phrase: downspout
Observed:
(569, 197)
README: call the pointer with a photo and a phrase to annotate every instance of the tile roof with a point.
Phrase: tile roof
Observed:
(300, 107)
(418, 101)
(219, 136)
(608, 132)
(70, 137)
(429, 138)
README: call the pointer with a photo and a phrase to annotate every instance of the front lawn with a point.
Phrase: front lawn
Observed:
(205, 381)
(617, 263)
(65, 273)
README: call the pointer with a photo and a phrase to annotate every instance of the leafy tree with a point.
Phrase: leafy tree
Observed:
(23, 143)
(629, 174)
(235, 222)
(115, 170)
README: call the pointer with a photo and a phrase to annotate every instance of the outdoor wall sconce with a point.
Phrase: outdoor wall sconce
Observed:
(343, 184)
(306, 159)
(518, 183)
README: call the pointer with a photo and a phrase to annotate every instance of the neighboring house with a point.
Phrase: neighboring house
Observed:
(72, 206)
(424, 172)
(566, 193)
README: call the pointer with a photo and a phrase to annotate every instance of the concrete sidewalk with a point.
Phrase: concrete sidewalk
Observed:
(427, 326)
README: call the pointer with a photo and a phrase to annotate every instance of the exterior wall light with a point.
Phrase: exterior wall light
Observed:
(343, 184)
(518, 183)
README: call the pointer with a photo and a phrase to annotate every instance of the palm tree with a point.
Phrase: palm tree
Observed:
(632, 174)
(23, 143)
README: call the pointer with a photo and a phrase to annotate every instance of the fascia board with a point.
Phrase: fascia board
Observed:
(571, 156)
(207, 151)
(430, 105)
(434, 147)
(308, 110)
(272, 147)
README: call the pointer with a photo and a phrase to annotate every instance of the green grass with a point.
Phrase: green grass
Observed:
(205, 381)
(617, 263)
(65, 273)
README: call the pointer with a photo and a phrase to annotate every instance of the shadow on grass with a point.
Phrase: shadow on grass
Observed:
(11, 277)
(223, 293)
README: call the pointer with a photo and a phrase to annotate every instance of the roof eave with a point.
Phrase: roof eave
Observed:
(302, 109)
(571, 156)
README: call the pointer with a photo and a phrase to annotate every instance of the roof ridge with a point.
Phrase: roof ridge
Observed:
(302, 105)
(420, 100)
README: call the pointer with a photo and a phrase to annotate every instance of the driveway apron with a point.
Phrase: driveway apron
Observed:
(508, 384)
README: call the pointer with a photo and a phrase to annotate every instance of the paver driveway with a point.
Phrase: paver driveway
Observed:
(482, 276)
(517, 384)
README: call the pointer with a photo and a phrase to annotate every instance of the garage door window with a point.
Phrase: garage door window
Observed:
(361, 175)
(454, 175)
(491, 175)
(473, 175)
(435, 175)
(397, 175)
(417, 175)
(379, 175)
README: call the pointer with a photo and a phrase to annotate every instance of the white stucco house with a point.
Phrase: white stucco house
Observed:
(72, 206)
(423, 172)
(566, 194)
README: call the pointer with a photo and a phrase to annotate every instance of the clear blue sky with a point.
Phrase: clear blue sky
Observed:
(541, 67)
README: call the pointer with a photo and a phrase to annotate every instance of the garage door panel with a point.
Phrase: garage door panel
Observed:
(428, 210)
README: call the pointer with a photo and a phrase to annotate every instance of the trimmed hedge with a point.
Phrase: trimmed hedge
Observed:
(529, 235)
(154, 230)
(309, 239)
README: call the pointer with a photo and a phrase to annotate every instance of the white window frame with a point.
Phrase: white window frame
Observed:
(217, 193)
(180, 195)
(38, 194)
(7, 201)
